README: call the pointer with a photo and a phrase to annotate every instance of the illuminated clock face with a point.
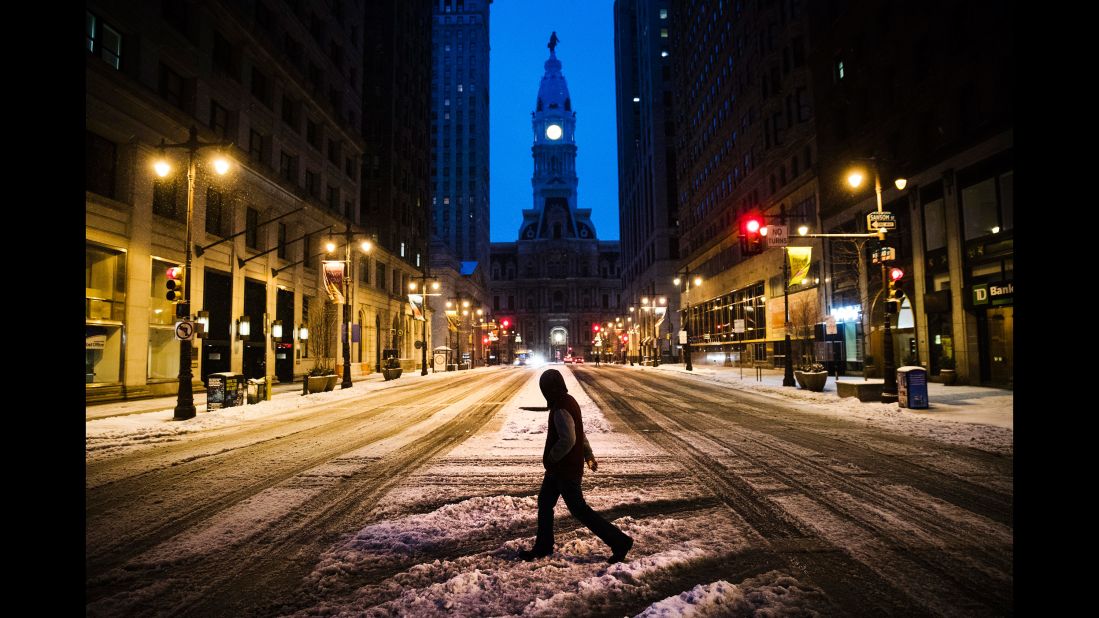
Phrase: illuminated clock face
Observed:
(553, 131)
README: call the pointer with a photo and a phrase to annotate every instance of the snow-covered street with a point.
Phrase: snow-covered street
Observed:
(413, 498)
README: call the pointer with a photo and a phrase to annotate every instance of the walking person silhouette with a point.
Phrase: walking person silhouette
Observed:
(565, 453)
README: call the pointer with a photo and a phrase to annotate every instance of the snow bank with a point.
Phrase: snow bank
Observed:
(490, 579)
(770, 594)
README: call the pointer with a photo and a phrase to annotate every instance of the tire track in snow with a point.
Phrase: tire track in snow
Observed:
(131, 516)
(273, 567)
(783, 469)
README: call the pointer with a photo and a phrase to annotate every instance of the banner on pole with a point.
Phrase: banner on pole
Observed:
(333, 280)
(799, 263)
(417, 303)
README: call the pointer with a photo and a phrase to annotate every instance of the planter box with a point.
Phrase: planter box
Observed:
(812, 380)
(317, 384)
(863, 391)
(392, 374)
(949, 376)
(331, 383)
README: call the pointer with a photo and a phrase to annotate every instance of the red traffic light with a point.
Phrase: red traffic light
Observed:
(595, 328)
(752, 231)
(484, 340)
(174, 284)
(506, 323)
(895, 273)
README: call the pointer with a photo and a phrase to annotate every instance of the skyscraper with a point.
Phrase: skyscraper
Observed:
(646, 159)
(459, 127)
(396, 91)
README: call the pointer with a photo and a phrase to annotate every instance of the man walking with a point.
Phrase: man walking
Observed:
(564, 456)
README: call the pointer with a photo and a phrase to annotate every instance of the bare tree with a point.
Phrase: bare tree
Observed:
(323, 330)
(804, 315)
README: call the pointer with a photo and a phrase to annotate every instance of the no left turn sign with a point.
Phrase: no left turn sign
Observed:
(185, 330)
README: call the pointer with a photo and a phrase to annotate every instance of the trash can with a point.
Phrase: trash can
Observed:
(912, 387)
(257, 390)
(224, 390)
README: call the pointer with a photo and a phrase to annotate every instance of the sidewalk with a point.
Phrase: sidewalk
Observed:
(966, 404)
(140, 406)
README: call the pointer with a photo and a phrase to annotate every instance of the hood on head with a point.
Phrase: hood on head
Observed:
(552, 384)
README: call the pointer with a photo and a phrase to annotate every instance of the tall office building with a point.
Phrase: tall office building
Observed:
(744, 141)
(282, 82)
(396, 99)
(926, 91)
(459, 127)
(646, 168)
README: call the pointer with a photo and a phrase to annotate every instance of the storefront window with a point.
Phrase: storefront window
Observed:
(102, 353)
(979, 204)
(104, 309)
(934, 220)
(105, 284)
(163, 346)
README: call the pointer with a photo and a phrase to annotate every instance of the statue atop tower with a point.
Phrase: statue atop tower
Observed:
(553, 42)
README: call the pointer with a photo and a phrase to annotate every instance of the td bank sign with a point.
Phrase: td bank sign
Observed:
(994, 294)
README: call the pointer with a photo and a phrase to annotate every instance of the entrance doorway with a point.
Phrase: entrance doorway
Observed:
(284, 350)
(255, 348)
(997, 358)
(217, 296)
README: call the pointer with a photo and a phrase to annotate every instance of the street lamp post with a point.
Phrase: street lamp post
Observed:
(889, 387)
(461, 308)
(185, 400)
(631, 329)
(788, 364)
(348, 282)
(687, 314)
(423, 344)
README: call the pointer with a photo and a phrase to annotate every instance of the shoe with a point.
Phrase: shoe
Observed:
(531, 554)
(620, 553)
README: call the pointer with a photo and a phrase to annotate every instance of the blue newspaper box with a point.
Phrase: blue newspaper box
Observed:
(912, 387)
(224, 390)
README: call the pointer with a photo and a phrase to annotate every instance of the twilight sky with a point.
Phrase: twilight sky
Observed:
(518, 33)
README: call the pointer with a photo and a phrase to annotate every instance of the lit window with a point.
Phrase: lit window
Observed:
(402, 249)
(663, 13)
(663, 33)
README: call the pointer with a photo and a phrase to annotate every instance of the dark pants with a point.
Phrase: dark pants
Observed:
(552, 488)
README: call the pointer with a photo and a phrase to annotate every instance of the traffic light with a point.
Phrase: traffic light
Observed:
(175, 284)
(752, 233)
(892, 302)
(484, 340)
(506, 323)
(595, 328)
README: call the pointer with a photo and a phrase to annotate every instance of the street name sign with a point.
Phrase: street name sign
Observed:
(881, 221)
